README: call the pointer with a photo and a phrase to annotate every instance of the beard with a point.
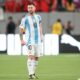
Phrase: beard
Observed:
(31, 12)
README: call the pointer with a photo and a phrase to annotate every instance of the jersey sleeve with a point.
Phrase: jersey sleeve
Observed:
(40, 19)
(22, 24)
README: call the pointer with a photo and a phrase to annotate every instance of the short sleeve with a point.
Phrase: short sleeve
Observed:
(40, 19)
(22, 24)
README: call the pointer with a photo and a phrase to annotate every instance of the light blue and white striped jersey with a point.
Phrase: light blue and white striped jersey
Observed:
(32, 28)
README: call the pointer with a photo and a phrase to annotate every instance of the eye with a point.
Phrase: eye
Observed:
(31, 7)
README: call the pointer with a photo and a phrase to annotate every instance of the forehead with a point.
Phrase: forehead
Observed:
(31, 6)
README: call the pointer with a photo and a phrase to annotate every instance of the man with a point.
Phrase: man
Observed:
(57, 27)
(68, 27)
(31, 24)
(11, 26)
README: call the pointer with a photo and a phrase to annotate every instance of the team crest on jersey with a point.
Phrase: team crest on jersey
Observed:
(30, 47)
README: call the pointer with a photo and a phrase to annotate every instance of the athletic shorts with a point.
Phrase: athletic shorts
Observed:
(34, 50)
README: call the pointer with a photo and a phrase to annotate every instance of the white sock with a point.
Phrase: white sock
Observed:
(36, 63)
(31, 65)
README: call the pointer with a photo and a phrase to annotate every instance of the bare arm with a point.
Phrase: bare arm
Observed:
(22, 30)
(21, 34)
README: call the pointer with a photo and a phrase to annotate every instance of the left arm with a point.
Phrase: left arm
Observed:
(41, 32)
(40, 25)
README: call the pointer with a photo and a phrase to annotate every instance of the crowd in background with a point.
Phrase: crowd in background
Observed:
(58, 27)
(41, 5)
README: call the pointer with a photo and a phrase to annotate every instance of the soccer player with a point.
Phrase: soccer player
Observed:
(31, 24)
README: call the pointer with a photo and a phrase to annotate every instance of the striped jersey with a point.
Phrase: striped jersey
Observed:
(31, 24)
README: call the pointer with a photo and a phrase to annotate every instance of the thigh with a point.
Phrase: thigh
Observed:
(37, 51)
(34, 50)
(31, 50)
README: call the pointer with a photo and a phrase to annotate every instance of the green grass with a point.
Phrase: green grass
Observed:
(61, 67)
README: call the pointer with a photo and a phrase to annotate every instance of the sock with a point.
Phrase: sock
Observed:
(31, 65)
(36, 63)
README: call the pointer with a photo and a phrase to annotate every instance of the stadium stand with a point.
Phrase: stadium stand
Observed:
(41, 6)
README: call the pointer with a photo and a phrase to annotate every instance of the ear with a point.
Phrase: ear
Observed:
(34, 8)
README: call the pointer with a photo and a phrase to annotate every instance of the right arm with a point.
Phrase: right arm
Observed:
(22, 31)
(21, 34)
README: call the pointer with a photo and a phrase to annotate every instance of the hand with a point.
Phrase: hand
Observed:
(23, 42)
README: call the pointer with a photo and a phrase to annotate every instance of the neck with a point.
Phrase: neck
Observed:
(31, 14)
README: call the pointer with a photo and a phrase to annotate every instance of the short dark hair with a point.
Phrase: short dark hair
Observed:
(10, 18)
(69, 22)
(31, 4)
(58, 20)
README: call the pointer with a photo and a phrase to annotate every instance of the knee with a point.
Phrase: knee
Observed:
(36, 58)
(31, 57)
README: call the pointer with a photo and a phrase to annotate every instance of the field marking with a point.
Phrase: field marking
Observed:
(41, 74)
(58, 74)
(12, 75)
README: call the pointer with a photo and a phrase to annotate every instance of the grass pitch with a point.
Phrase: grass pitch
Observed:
(61, 67)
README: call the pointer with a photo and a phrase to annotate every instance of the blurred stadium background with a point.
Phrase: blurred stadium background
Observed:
(64, 66)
